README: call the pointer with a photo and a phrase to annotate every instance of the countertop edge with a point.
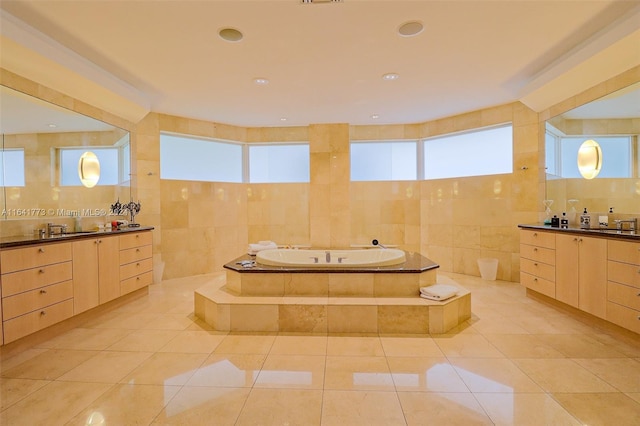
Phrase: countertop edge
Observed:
(592, 232)
(23, 241)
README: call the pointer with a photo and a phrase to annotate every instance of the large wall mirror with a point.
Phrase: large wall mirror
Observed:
(41, 149)
(613, 121)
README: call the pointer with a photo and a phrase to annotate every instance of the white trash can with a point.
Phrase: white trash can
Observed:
(488, 268)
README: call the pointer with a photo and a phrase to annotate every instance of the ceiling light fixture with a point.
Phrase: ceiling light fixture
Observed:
(283, 119)
(261, 81)
(375, 116)
(410, 29)
(230, 34)
(390, 76)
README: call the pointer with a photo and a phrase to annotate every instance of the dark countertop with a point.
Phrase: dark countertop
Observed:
(20, 241)
(592, 232)
(415, 263)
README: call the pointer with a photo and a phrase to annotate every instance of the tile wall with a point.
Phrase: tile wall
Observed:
(201, 226)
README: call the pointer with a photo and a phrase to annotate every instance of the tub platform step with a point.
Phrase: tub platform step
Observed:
(226, 310)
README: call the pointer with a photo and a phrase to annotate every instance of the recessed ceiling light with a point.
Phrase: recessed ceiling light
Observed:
(230, 34)
(375, 116)
(261, 81)
(52, 125)
(390, 76)
(410, 29)
(283, 119)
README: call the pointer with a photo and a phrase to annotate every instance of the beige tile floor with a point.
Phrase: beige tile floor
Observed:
(516, 361)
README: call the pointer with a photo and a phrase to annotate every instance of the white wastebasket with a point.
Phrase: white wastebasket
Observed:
(488, 268)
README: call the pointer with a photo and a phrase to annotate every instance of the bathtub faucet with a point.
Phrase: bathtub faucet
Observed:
(328, 256)
(377, 243)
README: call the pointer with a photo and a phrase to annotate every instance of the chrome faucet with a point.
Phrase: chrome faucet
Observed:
(633, 224)
(52, 227)
(328, 256)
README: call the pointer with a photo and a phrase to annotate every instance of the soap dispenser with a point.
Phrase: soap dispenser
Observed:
(564, 221)
(555, 221)
(585, 220)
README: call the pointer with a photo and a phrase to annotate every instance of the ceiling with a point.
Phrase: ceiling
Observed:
(324, 62)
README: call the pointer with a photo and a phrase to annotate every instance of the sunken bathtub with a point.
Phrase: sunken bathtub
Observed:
(329, 291)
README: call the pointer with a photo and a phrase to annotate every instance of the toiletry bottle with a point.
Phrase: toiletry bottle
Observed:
(77, 227)
(585, 220)
(555, 221)
(564, 221)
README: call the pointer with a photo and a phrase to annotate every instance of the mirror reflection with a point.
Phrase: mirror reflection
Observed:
(614, 123)
(42, 147)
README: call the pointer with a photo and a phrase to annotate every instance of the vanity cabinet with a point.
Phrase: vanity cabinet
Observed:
(136, 264)
(44, 283)
(538, 261)
(623, 286)
(95, 272)
(581, 273)
(37, 288)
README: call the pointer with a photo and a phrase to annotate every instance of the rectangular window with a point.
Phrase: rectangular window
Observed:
(278, 163)
(12, 167)
(385, 160)
(481, 152)
(616, 156)
(188, 158)
(107, 156)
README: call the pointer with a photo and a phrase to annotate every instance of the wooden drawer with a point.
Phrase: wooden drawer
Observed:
(538, 269)
(30, 323)
(33, 256)
(29, 301)
(18, 282)
(138, 239)
(135, 254)
(623, 316)
(135, 283)
(538, 238)
(624, 251)
(623, 295)
(136, 268)
(546, 287)
(539, 254)
(624, 273)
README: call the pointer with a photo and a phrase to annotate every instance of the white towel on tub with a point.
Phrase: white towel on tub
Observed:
(262, 245)
(438, 291)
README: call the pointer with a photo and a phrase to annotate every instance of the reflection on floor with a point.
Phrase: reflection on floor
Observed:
(150, 362)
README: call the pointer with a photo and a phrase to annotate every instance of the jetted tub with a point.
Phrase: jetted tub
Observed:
(331, 258)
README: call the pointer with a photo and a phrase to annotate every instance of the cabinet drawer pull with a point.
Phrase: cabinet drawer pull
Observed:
(137, 236)
(45, 292)
(535, 280)
(535, 249)
(40, 250)
(137, 278)
(137, 250)
(41, 271)
(138, 264)
(535, 263)
(43, 313)
(535, 234)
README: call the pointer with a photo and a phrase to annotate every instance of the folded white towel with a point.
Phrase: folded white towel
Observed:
(255, 248)
(438, 292)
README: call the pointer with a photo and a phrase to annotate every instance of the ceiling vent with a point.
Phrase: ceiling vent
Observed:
(320, 1)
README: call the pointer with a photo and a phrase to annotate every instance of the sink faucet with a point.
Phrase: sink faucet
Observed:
(52, 227)
(633, 224)
(328, 256)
